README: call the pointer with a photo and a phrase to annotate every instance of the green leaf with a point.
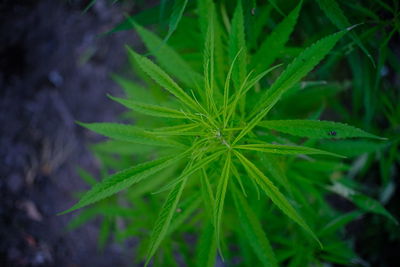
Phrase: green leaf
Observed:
(133, 90)
(123, 179)
(184, 211)
(339, 222)
(286, 149)
(164, 219)
(351, 148)
(299, 68)
(163, 79)
(237, 43)
(371, 205)
(207, 194)
(182, 129)
(169, 59)
(253, 230)
(275, 42)
(335, 14)
(191, 169)
(146, 17)
(220, 197)
(316, 129)
(128, 133)
(104, 232)
(274, 194)
(152, 110)
(86, 176)
(362, 201)
(206, 250)
(177, 12)
(121, 148)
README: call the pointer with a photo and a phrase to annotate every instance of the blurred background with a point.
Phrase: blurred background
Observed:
(54, 70)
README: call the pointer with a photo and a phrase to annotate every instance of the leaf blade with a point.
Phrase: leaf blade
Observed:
(122, 180)
(316, 129)
(274, 194)
(253, 230)
(129, 133)
(151, 110)
(164, 219)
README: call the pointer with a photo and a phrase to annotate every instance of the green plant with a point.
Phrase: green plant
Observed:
(220, 158)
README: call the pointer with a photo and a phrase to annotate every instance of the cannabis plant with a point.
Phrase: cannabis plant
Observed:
(222, 163)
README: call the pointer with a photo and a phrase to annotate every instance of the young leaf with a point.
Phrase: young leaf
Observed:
(274, 194)
(286, 149)
(128, 133)
(253, 230)
(237, 43)
(123, 179)
(220, 197)
(163, 79)
(164, 219)
(316, 129)
(152, 110)
(275, 41)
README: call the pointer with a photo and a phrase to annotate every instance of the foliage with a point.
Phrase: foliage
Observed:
(212, 152)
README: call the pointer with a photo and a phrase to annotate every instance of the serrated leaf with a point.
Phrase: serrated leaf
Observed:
(336, 15)
(220, 197)
(316, 129)
(253, 230)
(299, 68)
(128, 133)
(163, 79)
(237, 42)
(275, 42)
(169, 59)
(274, 194)
(152, 110)
(164, 219)
(286, 149)
(123, 179)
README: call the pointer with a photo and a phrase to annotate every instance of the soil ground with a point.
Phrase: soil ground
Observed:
(54, 69)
